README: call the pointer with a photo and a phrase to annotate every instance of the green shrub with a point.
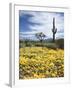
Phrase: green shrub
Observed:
(60, 43)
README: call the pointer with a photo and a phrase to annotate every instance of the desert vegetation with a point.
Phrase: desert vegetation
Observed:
(41, 58)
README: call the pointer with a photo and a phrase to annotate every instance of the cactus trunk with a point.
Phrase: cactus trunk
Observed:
(54, 30)
(53, 37)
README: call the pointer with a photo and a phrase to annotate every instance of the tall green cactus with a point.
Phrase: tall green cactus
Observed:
(54, 30)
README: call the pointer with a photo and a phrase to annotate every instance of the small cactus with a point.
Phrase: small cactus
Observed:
(54, 30)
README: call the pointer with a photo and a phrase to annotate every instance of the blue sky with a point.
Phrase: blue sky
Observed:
(32, 22)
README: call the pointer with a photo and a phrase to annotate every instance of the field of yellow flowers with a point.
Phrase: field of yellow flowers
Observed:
(40, 62)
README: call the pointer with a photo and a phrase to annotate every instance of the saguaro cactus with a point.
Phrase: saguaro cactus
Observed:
(54, 30)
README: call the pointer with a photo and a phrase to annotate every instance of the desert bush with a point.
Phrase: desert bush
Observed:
(60, 43)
